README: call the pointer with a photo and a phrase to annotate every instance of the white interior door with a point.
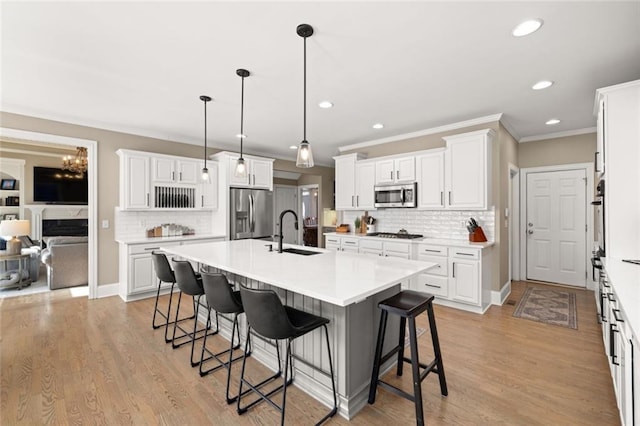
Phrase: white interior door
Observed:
(556, 227)
(286, 197)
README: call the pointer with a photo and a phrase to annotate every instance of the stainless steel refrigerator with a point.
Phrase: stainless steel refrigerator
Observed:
(251, 214)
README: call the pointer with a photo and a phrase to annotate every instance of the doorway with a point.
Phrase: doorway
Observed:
(309, 202)
(555, 224)
(286, 198)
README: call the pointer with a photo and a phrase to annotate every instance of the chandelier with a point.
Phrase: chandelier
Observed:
(77, 163)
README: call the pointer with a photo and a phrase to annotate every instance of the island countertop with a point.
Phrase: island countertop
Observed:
(339, 278)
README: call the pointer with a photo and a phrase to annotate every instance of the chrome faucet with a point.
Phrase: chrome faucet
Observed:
(295, 224)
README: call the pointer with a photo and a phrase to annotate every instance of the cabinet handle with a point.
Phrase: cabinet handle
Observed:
(453, 269)
(464, 254)
(202, 202)
(442, 198)
(180, 176)
(610, 297)
(147, 199)
(254, 179)
(449, 197)
(357, 200)
(612, 343)
(432, 251)
(397, 174)
(152, 248)
(391, 174)
(615, 315)
(431, 285)
(173, 175)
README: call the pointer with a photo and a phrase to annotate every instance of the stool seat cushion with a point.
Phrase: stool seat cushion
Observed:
(407, 303)
(303, 322)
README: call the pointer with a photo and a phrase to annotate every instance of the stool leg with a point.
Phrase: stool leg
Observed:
(155, 310)
(436, 350)
(415, 367)
(376, 360)
(403, 325)
(287, 366)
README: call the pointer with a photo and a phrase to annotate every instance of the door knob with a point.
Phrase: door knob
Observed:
(530, 231)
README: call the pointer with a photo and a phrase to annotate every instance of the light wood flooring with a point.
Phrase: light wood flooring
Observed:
(69, 360)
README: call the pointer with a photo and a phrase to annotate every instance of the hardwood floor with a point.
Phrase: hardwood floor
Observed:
(67, 360)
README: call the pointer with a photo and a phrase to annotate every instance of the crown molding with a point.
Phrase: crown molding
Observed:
(558, 135)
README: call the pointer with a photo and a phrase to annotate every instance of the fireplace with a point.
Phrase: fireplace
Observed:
(65, 227)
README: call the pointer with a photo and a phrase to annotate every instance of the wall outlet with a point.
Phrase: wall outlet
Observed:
(105, 224)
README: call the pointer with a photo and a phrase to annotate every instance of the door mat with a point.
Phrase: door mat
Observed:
(419, 332)
(556, 307)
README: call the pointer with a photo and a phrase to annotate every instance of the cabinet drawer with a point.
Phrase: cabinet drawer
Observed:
(332, 240)
(396, 247)
(371, 244)
(432, 250)
(349, 242)
(148, 248)
(438, 286)
(464, 253)
(442, 267)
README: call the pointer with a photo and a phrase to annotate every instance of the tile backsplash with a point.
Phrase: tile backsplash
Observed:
(435, 224)
(133, 224)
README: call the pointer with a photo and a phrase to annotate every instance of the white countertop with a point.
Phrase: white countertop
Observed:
(338, 278)
(160, 240)
(423, 240)
(625, 278)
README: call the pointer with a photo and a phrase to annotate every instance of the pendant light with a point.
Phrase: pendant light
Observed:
(305, 156)
(205, 171)
(241, 168)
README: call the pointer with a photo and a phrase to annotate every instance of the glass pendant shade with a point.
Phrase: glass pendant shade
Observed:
(205, 174)
(205, 170)
(305, 155)
(241, 168)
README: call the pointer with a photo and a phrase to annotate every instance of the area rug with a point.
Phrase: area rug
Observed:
(556, 307)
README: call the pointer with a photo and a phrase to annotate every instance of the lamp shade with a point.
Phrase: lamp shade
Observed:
(14, 228)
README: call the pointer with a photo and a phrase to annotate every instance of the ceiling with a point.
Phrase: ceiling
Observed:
(141, 67)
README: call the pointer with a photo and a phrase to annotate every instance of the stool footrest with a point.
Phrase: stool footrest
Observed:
(396, 390)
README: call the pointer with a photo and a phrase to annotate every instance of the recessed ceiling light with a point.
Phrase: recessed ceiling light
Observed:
(552, 121)
(543, 84)
(325, 104)
(527, 27)
(378, 126)
(293, 147)
(239, 136)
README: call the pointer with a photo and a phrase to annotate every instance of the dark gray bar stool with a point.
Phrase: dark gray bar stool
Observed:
(165, 274)
(221, 298)
(191, 285)
(269, 318)
(408, 305)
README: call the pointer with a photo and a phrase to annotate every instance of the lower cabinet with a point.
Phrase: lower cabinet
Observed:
(461, 278)
(138, 279)
(348, 244)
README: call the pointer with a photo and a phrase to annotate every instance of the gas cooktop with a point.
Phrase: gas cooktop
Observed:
(400, 235)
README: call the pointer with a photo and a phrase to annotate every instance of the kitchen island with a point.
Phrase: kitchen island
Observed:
(343, 287)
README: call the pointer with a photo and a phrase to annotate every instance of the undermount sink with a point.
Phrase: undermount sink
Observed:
(300, 251)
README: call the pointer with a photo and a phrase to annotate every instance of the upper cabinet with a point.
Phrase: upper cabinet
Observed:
(468, 170)
(170, 170)
(396, 170)
(157, 181)
(259, 172)
(354, 183)
(430, 178)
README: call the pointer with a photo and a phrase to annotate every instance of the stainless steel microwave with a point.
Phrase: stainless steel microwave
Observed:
(403, 195)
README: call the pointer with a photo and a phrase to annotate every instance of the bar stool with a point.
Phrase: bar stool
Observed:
(408, 305)
(269, 318)
(221, 298)
(165, 274)
(190, 284)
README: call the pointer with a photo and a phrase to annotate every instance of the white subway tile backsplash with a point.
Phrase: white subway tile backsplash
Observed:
(132, 224)
(450, 224)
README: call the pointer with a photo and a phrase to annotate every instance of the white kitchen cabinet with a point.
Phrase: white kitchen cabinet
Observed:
(395, 170)
(468, 170)
(435, 280)
(354, 183)
(171, 170)
(339, 243)
(208, 190)
(259, 172)
(138, 278)
(601, 128)
(135, 187)
(430, 179)
(465, 279)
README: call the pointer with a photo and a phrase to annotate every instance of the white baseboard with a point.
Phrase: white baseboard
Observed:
(108, 290)
(498, 297)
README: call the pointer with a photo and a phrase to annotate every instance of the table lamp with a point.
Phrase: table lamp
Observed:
(14, 229)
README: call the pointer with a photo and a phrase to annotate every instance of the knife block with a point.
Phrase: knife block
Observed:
(477, 236)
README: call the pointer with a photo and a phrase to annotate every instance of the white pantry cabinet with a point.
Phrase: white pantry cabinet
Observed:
(396, 170)
(468, 170)
(430, 178)
(135, 186)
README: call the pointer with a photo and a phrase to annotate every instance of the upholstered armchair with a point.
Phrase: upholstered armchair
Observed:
(67, 261)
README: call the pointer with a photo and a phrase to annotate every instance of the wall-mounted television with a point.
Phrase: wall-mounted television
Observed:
(57, 186)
